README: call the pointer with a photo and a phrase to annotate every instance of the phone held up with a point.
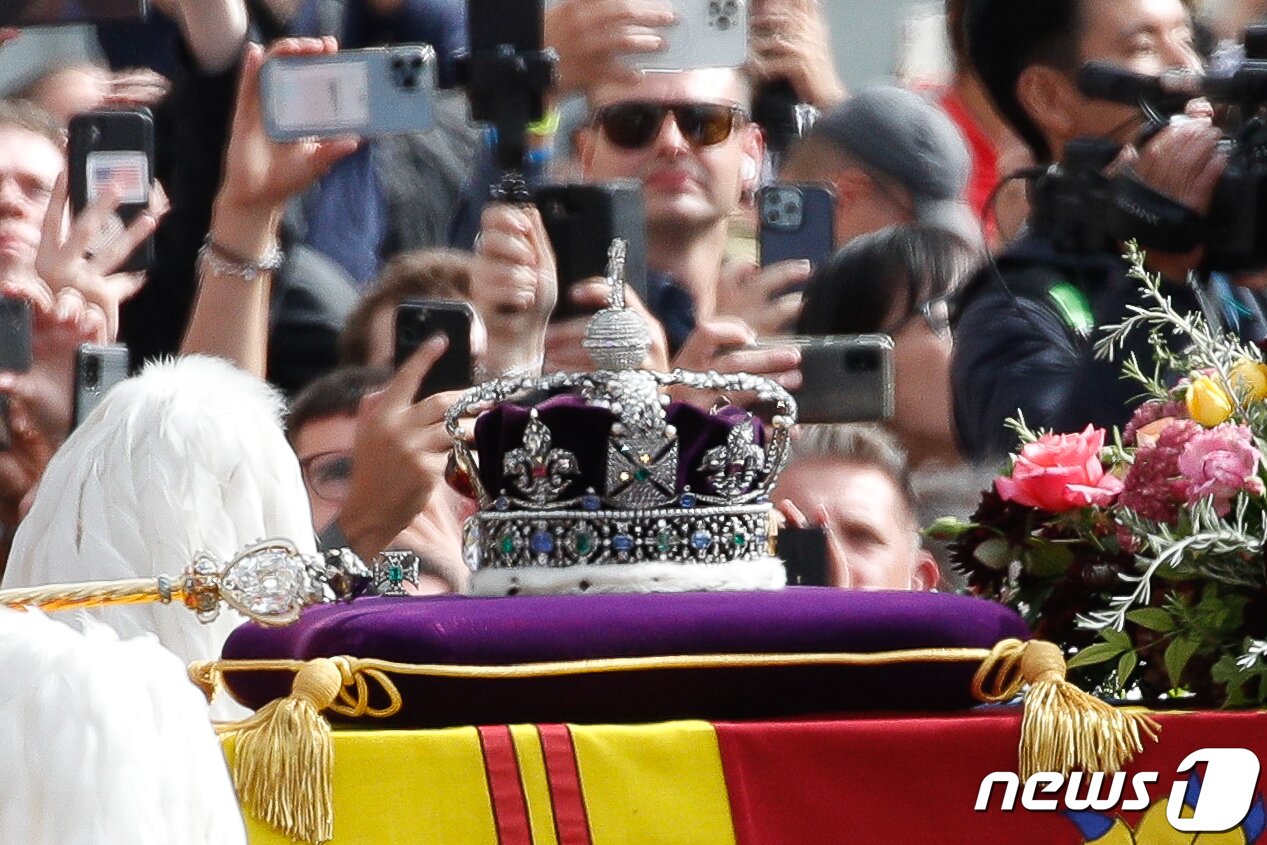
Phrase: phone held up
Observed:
(97, 370)
(706, 33)
(797, 221)
(113, 150)
(581, 221)
(804, 555)
(844, 378)
(373, 92)
(417, 320)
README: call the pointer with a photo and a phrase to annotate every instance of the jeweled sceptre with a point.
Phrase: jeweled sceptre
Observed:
(271, 582)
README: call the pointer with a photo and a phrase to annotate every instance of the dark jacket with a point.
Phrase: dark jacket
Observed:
(1025, 330)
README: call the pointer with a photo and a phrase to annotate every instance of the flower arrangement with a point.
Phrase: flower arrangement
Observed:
(1143, 557)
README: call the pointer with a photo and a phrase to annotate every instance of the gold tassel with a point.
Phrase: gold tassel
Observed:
(284, 756)
(1063, 729)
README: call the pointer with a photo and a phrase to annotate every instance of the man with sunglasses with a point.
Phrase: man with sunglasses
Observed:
(688, 138)
(1027, 324)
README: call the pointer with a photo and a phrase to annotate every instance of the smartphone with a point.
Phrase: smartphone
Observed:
(796, 221)
(707, 33)
(419, 319)
(97, 369)
(804, 555)
(15, 335)
(114, 149)
(845, 378)
(372, 92)
(54, 12)
(581, 221)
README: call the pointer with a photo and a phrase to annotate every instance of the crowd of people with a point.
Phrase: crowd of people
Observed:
(289, 259)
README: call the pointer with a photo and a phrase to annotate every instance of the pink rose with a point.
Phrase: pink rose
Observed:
(1219, 463)
(1060, 472)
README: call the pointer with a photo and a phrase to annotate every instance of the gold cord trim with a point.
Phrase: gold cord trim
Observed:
(378, 668)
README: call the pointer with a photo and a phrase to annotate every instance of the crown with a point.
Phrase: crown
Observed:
(608, 485)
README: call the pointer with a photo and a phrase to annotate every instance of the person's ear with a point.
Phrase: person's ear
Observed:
(753, 155)
(925, 574)
(1050, 99)
(585, 149)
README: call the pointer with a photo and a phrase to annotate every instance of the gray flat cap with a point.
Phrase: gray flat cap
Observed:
(900, 135)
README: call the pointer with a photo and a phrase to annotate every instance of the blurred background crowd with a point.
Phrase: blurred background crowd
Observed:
(895, 136)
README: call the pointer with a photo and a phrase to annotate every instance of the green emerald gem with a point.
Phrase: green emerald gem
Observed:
(740, 540)
(584, 543)
(664, 541)
(642, 474)
(507, 544)
(395, 573)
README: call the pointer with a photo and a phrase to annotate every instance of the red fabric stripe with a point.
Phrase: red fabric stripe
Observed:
(510, 808)
(878, 780)
(570, 821)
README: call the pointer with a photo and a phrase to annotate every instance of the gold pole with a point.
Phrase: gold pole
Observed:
(54, 597)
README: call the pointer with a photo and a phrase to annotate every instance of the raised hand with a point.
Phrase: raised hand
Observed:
(789, 39)
(594, 38)
(398, 456)
(83, 257)
(763, 297)
(514, 285)
(725, 346)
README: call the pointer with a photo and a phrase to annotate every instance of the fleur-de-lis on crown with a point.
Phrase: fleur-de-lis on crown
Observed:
(733, 468)
(536, 470)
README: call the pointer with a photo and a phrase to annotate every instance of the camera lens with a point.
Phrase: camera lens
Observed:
(92, 372)
(861, 360)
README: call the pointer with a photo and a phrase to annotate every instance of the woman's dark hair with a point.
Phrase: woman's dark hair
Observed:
(882, 274)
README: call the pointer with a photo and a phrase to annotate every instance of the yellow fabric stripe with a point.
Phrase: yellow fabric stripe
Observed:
(403, 788)
(623, 772)
(532, 773)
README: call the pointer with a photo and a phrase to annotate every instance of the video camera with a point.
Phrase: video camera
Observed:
(1086, 209)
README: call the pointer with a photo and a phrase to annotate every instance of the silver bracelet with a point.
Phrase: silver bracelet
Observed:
(483, 374)
(223, 262)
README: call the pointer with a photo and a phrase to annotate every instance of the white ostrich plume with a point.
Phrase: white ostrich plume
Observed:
(105, 742)
(188, 456)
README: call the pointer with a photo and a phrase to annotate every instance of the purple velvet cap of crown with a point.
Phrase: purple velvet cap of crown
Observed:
(583, 429)
(464, 630)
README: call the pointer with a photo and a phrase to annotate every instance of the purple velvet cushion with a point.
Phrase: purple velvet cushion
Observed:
(490, 631)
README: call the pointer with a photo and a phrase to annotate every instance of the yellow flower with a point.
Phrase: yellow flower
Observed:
(1207, 402)
(1249, 380)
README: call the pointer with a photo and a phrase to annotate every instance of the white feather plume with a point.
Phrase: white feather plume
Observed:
(188, 456)
(105, 742)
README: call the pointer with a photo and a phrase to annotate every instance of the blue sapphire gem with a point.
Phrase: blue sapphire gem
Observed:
(622, 542)
(541, 542)
(590, 502)
(687, 500)
(701, 539)
(501, 503)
